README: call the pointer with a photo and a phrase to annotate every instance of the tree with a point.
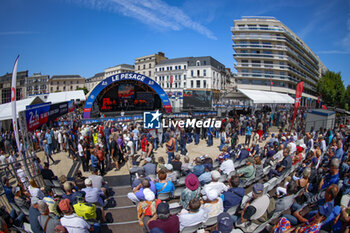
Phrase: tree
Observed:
(347, 95)
(332, 89)
(84, 89)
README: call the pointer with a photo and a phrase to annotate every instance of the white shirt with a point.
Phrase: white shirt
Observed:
(323, 145)
(227, 166)
(217, 186)
(75, 224)
(12, 159)
(60, 138)
(191, 219)
(293, 147)
(130, 145)
(80, 150)
(2, 159)
(36, 192)
(21, 175)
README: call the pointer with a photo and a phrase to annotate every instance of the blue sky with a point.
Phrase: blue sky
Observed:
(85, 36)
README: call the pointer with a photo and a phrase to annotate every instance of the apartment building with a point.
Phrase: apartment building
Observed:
(195, 73)
(59, 83)
(37, 84)
(269, 56)
(5, 86)
(145, 65)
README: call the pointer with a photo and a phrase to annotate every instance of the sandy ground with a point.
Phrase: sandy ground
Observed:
(66, 166)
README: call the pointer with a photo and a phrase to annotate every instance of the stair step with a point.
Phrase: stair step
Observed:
(123, 214)
(123, 190)
(123, 201)
(127, 227)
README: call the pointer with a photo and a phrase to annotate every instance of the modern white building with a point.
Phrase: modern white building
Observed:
(191, 73)
(122, 68)
(269, 56)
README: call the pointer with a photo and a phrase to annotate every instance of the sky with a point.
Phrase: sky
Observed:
(57, 37)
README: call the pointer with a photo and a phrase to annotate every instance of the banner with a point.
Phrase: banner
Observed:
(13, 103)
(298, 93)
(36, 117)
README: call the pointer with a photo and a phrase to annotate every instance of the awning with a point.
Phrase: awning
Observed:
(58, 97)
(267, 97)
(6, 109)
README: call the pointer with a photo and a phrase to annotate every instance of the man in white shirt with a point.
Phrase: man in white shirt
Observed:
(72, 222)
(293, 147)
(214, 185)
(227, 166)
(278, 157)
(194, 216)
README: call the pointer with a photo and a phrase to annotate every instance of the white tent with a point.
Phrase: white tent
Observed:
(267, 97)
(6, 112)
(58, 97)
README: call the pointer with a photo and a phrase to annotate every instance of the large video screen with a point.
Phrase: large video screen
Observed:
(126, 90)
(197, 99)
(144, 100)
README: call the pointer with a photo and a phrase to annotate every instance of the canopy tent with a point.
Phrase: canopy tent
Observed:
(6, 112)
(58, 97)
(267, 97)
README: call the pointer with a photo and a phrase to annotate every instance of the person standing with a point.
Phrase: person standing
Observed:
(49, 140)
(82, 155)
(100, 154)
(248, 134)
(170, 147)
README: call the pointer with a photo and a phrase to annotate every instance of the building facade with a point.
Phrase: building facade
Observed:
(90, 83)
(145, 65)
(269, 56)
(37, 84)
(122, 68)
(5, 86)
(66, 83)
(195, 73)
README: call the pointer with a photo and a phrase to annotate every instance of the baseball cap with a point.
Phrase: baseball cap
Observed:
(88, 181)
(34, 200)
(225, 223)
(215, 175)
(212, 195)
(163, 208)
(258, 188)
(148, 159)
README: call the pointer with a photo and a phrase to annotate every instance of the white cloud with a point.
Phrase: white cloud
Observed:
(156, 13)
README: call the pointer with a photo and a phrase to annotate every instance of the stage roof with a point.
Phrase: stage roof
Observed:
(6, 109)
(267, 97)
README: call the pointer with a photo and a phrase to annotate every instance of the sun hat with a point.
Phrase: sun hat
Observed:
(149, 195)
(192, 182)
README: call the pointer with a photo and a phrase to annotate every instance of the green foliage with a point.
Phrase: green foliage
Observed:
(84, 89)
(347, 95)
(332, 89)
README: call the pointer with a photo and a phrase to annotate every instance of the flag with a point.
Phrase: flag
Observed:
(271, 83)
(298, 93)
(324, 107)
(13, 103)
(171, 79)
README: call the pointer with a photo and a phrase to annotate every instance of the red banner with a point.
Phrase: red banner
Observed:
(171, 79)
(298, 93)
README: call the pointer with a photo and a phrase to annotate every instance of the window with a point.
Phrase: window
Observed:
(150, 65)
(184, 76)
(204, 83)
(144, 66)
(71, 82)
(77, 82)
(204, 72)
(198, 84)
(198, 72)
(184, 66)
(198, 63)
(150, 73)
(71, 87)
(64, 88)
(58, 83)
(138, 67)
(180, 67)
(64, 82)
(192, 73)
(204, 63)
(191, 83)
(57, 88)
(51, 89)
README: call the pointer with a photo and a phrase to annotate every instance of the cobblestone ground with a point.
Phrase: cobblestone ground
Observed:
(65, 165)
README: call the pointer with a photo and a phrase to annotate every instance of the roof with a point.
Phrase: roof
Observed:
(174, 60)
(97, 75)
(58, 97)
(74, 76)
(267, 97)
(6, 109)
